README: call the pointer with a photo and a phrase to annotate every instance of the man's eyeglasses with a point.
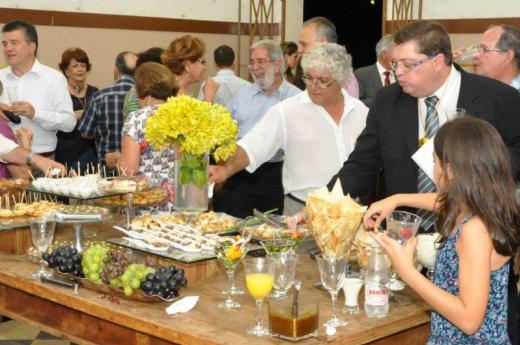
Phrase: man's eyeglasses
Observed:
(407, 67)
(319, 82)
(259, 63)
(483, 49)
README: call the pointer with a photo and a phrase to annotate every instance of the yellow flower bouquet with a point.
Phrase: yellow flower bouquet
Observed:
(196, 128)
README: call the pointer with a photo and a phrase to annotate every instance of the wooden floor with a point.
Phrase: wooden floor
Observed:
(17, 333)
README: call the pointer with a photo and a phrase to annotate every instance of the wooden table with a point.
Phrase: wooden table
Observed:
(90, 318)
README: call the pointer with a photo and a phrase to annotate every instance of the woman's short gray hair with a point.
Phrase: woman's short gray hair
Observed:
(331, 57)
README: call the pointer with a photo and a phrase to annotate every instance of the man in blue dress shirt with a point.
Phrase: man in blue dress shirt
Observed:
(262, 189)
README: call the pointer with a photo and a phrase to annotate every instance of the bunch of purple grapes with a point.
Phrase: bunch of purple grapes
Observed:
(166, 282)
(66, 259)
(115, 265)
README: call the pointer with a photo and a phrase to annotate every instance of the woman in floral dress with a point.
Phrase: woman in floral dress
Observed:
(154, 83)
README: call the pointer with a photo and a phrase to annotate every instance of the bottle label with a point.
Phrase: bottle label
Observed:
(375, 294)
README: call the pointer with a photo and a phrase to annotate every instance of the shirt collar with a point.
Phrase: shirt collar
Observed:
(125, 79)
(441, 91)
(284, 86)
(516, 82)
(37, 68)
(348, 101)
(226, 72)
(381, 69)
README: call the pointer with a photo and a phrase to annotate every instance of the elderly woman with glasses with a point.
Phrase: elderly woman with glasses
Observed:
(317, 129)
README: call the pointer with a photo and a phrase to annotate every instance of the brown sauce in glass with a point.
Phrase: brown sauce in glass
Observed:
(293, 327)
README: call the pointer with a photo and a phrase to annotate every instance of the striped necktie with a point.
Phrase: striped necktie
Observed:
(425, 184)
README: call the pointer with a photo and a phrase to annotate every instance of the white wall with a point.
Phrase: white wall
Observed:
(461, 9)
(214, 10)
(102, 45)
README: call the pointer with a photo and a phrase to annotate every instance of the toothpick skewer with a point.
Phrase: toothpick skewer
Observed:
(29, 171)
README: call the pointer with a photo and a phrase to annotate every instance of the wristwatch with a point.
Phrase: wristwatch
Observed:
(28, 160)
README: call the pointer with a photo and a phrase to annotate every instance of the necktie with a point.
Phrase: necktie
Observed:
(425, 185)
(387, 77)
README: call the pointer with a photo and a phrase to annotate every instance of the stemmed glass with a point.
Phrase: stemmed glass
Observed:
(42, 232)
(230, 253)
(284, 273)
(426, 251)
(259, 281)
(332, 274)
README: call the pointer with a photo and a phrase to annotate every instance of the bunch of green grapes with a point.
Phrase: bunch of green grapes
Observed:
(132, 278)
(93, 261)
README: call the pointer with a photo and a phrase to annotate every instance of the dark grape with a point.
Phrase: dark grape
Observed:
(166, 282)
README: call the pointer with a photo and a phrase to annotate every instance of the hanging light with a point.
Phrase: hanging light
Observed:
(372, 2)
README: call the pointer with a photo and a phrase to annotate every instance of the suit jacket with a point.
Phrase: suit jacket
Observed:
(390, 137)
(369, 83)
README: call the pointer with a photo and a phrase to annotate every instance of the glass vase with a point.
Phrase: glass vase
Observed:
(191, 182)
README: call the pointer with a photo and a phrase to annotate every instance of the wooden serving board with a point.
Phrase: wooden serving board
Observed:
(138, 295)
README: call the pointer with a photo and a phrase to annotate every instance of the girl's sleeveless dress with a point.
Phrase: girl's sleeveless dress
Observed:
(494, 326)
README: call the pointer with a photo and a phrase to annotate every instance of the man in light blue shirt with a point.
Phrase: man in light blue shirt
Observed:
(262, 189)
(225, 84)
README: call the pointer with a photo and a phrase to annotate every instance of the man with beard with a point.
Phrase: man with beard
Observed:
(263, 188)
(316, 129)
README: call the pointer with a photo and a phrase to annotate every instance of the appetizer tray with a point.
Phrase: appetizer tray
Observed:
(176, 236)
(78, 187)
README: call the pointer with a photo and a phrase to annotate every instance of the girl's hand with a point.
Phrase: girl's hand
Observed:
(378, 211)
(402, 256)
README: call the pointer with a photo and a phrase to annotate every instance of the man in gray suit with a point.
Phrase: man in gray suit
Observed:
(372, 78)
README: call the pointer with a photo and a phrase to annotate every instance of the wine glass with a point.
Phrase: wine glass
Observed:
(259, 281)
(42, 232)
(230, 254)
(277, 246)
(284, 272)
(332, 274)
(426, 251)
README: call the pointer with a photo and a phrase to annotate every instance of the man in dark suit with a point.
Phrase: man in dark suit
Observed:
(396, 123)
(372, 78)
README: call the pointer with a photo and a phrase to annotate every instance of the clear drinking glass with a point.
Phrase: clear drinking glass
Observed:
(401, 226)
(332, 274)
(351, 287)
(259, 281)
(42, 232)
(284, 273)
(230, 256)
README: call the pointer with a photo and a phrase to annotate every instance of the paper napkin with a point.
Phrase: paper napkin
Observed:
(183, 305)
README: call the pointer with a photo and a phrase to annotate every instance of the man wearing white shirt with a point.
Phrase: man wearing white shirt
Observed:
(35, 92)
(225, 84)
(317, 129)
(372, 78)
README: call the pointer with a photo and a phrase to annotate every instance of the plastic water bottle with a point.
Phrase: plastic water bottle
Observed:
(376, 277)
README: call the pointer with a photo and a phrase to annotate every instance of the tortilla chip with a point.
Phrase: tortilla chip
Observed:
(334, 220)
